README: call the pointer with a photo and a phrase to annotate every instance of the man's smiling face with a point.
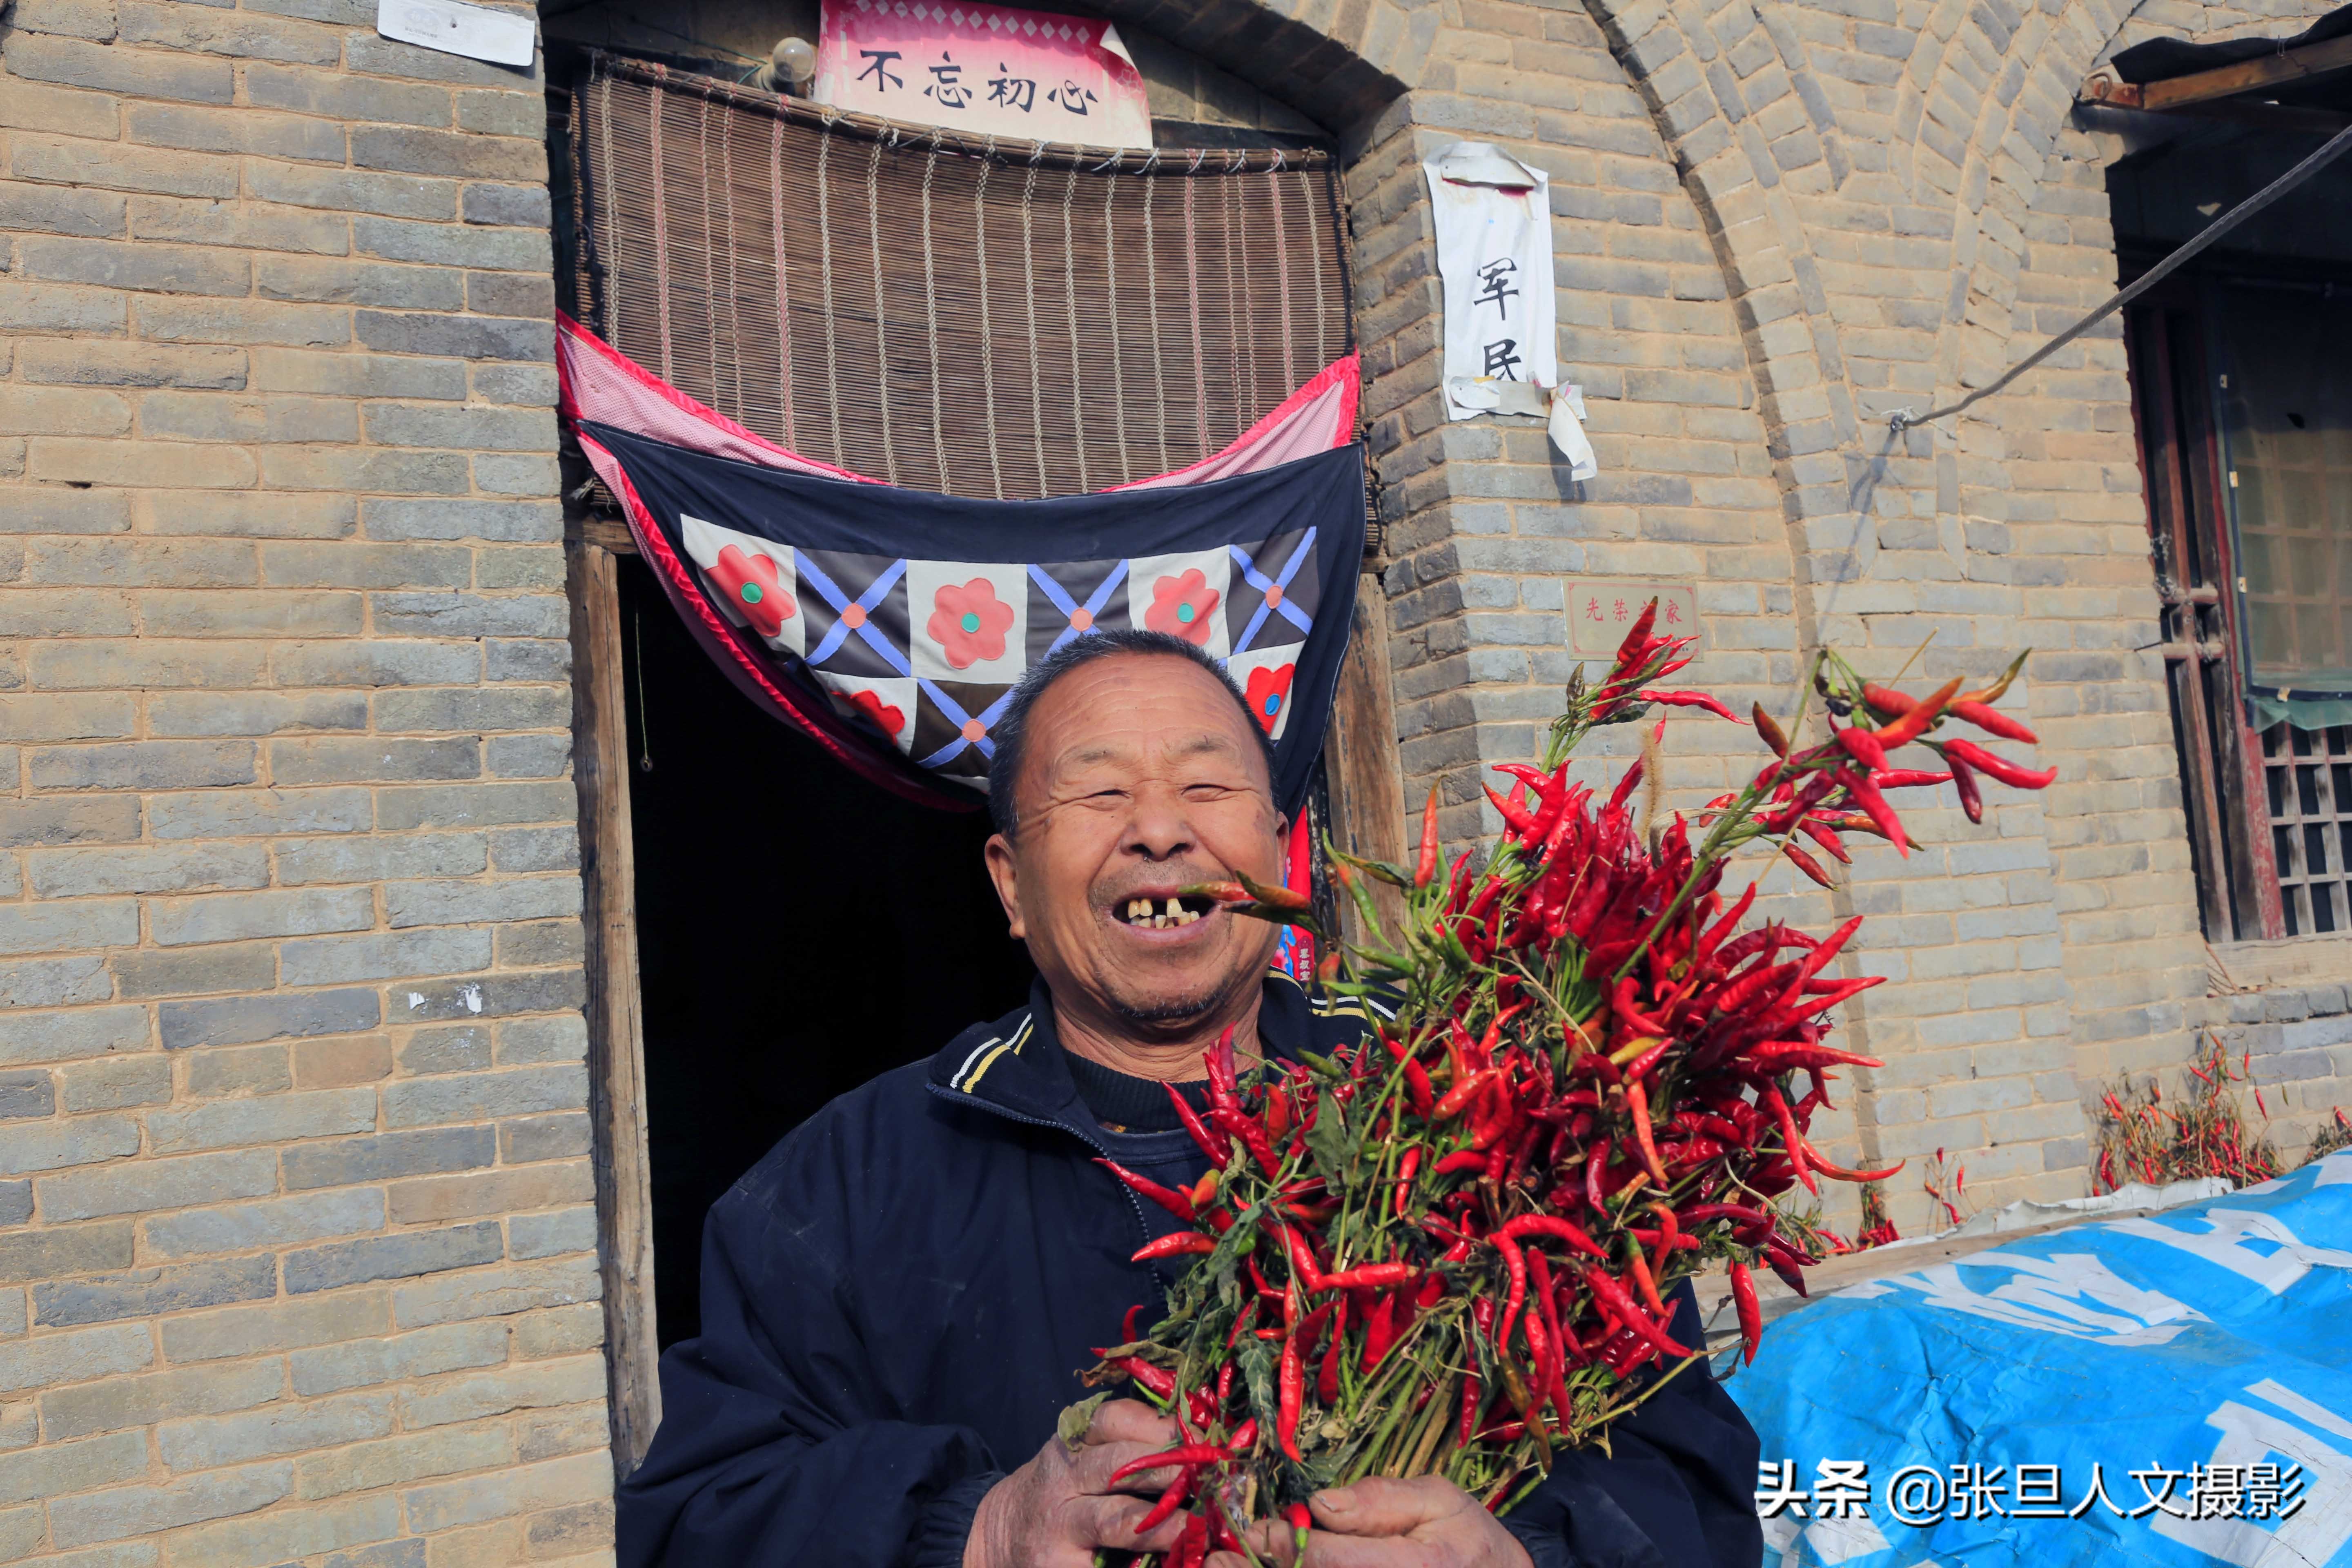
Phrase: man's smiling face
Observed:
(1140, 776)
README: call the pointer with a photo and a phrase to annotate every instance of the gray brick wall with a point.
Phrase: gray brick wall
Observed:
(297, 1249)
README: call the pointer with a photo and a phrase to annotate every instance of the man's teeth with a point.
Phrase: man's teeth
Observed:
(1140, 912)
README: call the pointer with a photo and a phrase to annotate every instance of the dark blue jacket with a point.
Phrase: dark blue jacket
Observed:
(898, 1300)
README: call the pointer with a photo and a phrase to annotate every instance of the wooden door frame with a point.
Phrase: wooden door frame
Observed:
(616, 1054)
(1365, 782)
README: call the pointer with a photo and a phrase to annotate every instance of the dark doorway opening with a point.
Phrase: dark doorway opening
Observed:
(799, 931)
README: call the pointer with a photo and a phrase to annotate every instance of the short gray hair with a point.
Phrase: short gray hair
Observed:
(1011, 731)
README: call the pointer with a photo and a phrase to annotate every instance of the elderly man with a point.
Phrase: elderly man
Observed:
(898, 1298)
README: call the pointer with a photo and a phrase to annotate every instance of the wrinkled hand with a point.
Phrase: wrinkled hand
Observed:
(1056, 1509)
(1427, 1522)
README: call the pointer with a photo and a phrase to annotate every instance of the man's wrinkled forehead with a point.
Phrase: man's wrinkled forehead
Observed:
(1140, 751)
(1135, 716)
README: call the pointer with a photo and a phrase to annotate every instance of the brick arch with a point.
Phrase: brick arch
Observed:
(1754, 137)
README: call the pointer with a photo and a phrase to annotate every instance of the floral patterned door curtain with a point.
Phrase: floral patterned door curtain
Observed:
(891, 624)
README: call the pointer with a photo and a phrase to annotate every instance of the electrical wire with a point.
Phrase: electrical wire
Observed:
(1903, 419)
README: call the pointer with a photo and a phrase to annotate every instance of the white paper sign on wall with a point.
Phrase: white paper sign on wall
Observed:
(477, 32)
(1493, 215)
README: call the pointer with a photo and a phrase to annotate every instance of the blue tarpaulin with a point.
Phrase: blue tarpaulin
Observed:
(2174, 1388)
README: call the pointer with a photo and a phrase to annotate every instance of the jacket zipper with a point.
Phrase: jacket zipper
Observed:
(1142, 1225)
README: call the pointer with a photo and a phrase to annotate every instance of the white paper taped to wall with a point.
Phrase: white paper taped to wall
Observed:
(477, 32)
(1493, 215)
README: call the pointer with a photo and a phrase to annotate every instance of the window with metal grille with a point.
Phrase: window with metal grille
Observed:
(2307, 779)
(2243, 396)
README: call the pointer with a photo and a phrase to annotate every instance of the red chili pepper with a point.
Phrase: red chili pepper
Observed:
(1158, 1379)
(1302, 1260)
(1417, 1085)
(1914, 722)
(1689, 700)
(1792, 1142)
(1515, 1264)
(1643, 1280)
(1427, 869)
(1184, 1454)
(1862, 746)
(1406, 1168)
(1214, 1144)
(1291, 1396)
(1886, 699)
(1964, 780)
(1821, 834)
(1461, 1093)
(1607, 1290)
(1176, 1244)
(1368, 1276)
(1380, 1333)
(1518, 820)
(1751, 1316)
(1865, 795)
(1992, 722)
(1251, 1134)
(1174, 1201)
(1999, 767)
(1637, 1102)
(1529, 1224)
(1467, 1428)
(1170, 1501)
(1806, 863)
(1813, 1158)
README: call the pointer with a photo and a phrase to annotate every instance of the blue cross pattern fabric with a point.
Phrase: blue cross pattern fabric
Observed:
(2172, 1389)
(913, 615)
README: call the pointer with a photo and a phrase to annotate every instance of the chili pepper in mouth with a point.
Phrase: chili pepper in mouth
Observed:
(1185, 906)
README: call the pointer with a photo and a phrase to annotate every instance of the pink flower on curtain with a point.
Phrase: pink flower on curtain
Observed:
(1267, 688)
(886, 716)
(969, 623)
(1181, 606)
(751, 585)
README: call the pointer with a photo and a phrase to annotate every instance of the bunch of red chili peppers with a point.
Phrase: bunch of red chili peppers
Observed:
(1449, 1249)
(2202, 1132)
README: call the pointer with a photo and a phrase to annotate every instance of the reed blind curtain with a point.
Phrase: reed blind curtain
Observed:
(942, 312)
